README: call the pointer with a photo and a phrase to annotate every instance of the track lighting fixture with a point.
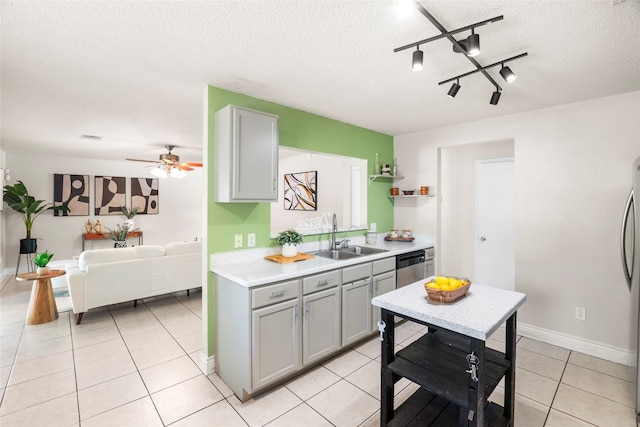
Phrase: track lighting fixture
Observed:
(470, 46)
(418, 55)
(473, 44)
(454, 89)
(507, 74)
(495, 97)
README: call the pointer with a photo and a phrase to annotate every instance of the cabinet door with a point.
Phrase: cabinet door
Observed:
(275, 342)
(356, 311)
(382, 284)
(255, 156)
(320, 325)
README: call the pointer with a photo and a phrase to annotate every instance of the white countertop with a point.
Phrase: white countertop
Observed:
(477, 315)
(249, 268)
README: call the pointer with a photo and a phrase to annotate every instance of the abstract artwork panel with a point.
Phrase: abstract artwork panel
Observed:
(300, 191)
(71, 191)
(144, 195)
(110, 195)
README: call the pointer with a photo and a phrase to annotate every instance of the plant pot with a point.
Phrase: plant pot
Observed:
(130, 223)
(28, 246)
(289, 250)
(43, 270)
(120, 244)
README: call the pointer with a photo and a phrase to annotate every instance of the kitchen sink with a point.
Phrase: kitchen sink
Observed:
(363, 250)
(336, 254)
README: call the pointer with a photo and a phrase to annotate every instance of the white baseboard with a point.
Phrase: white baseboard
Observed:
(591, 348)
(207, 363)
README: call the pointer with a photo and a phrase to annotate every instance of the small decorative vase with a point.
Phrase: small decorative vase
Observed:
(289, 250)
(120, 244)
(43, 270)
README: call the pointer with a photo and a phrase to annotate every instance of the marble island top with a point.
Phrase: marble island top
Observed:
(249, 268)
(477, 315)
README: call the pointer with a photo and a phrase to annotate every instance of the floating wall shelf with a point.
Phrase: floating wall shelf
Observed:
(374, 177)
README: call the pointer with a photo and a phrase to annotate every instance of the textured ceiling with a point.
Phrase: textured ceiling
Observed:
(134, 72)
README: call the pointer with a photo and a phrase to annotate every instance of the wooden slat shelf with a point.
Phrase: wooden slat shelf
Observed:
(424, 408)
(437, 362)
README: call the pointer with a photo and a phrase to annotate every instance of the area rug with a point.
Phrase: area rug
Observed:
(63, 300)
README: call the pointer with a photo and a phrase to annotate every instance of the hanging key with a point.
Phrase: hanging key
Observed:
(473, 361)
(381, 327)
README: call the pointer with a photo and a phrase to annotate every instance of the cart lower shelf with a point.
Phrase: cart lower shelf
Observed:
(425, 408)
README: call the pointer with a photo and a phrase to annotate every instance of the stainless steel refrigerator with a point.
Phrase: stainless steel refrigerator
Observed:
(630, 251)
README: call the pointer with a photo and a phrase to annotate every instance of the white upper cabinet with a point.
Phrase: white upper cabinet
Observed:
(246, 155)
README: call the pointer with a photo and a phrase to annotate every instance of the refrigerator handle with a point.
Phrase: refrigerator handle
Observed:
(628, 272)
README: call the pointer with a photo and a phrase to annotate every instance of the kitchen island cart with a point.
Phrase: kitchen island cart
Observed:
(456, 371)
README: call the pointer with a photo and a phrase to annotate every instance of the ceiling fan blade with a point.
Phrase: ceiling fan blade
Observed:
(182, 166)
(195, 165)
(148, 161)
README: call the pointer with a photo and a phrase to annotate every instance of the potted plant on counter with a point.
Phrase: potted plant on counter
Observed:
(41, 260)
(18, 198)
(289, 240)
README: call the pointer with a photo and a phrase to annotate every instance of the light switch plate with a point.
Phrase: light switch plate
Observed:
(238, 241)
(251, 240)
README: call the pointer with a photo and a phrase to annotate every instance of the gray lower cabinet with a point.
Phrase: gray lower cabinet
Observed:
(320, 325)
(356, 311)
(382, 283)
(275, 342)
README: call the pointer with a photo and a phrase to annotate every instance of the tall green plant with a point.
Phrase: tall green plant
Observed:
(18, 198)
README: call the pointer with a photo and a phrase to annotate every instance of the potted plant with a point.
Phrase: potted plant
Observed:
(119, 235)
(41, 260)
(129, 214)
(289, 240)
(18, 198)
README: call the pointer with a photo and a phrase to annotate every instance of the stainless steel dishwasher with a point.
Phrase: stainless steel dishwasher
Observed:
(410, 267)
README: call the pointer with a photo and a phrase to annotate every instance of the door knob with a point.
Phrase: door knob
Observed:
(482, 238)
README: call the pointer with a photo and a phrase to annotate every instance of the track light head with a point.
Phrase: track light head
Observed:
(473, 44)
(454, 89)
(507, 74)
(495, 97)
(416, 64)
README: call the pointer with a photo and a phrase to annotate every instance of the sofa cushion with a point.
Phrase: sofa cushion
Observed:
(177, 248)
(101, 256)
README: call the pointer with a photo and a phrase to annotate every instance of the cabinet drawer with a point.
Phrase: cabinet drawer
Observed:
(384, 265)
(274, 293)
(350, 274)
(318, 282)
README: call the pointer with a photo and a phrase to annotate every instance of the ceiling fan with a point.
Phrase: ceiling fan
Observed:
(170, 165)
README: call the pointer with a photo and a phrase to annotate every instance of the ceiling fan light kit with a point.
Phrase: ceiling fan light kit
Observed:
(169, 165)
(470, 46)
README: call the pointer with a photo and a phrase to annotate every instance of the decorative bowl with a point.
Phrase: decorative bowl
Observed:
(408, 192)
(447, 296)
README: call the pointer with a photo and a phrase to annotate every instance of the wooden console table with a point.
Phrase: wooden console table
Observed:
(101, 236)
(451, 363)
(42, 304)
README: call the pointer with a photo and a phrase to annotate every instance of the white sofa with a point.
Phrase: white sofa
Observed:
(110, 276)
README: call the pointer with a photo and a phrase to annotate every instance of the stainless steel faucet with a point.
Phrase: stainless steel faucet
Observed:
(334, 244)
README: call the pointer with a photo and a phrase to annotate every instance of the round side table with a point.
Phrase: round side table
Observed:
(42, 304)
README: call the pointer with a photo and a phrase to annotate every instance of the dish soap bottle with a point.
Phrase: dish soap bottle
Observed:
(395, 167)
(376, 166)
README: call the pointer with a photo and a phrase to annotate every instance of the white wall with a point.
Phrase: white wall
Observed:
(2, 215)
(179, 218)
(573, 175)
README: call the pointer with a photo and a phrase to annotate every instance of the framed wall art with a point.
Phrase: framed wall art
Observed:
(300, 191)
(145, 195)
(110, 195)
(71, 191)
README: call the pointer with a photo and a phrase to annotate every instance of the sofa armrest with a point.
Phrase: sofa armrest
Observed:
(76, 281)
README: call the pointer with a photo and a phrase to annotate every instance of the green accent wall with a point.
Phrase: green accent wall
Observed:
(297, 129)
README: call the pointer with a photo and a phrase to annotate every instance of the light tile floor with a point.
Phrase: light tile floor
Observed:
(137, 367)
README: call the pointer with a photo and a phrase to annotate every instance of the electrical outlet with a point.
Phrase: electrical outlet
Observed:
(581, 313)
(238, 241)
(251, 240)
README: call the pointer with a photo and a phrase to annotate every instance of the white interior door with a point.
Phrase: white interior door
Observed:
(495, 226)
